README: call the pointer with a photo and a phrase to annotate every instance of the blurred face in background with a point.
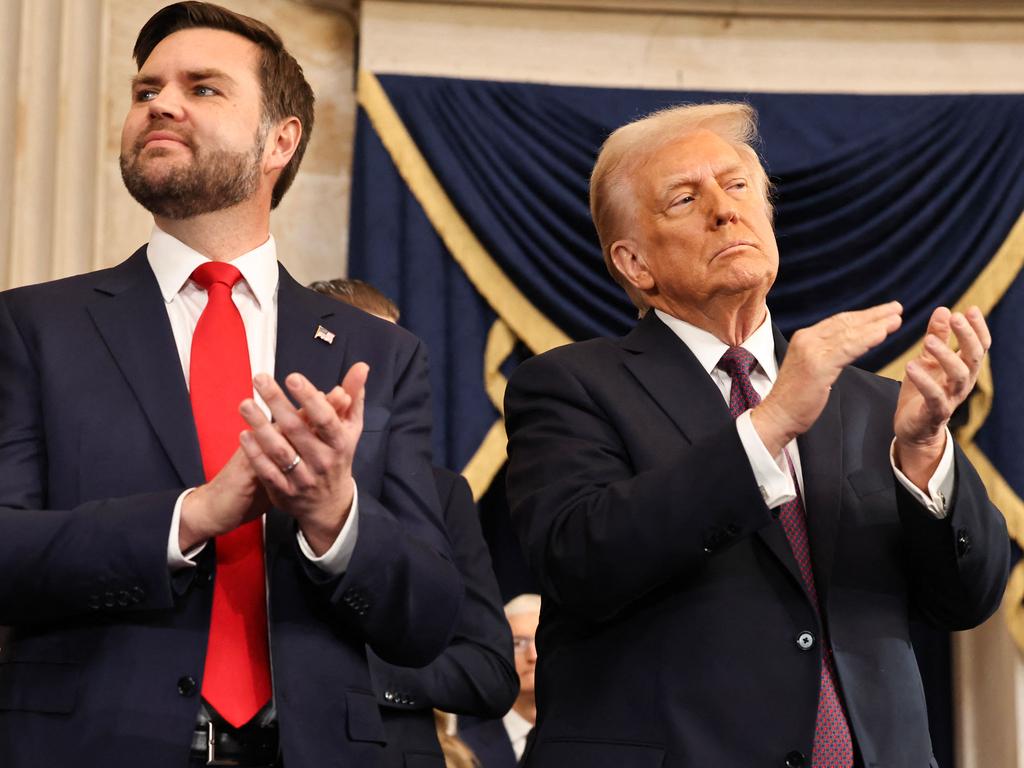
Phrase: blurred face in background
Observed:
(524, 632)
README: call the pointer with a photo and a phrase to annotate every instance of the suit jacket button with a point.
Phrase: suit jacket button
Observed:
(963, 542)
(138, 593)
(109, 600)
(795, 759)
(389, 696)
(186, 685)
(805, 641)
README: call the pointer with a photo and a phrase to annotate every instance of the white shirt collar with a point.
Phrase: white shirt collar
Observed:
(517, 726)
(708, 349)
(173, 262)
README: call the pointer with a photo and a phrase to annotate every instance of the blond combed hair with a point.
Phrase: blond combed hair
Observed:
(612, 196)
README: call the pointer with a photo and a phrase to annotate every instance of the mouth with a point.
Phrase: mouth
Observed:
(735, 247)
(163, 139)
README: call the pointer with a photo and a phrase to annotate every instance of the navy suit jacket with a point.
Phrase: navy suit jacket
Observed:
(475, 674)
(489, 741)
(672, 600)
(97, 441)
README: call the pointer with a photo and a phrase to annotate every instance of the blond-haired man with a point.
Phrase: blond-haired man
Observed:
(731, 532)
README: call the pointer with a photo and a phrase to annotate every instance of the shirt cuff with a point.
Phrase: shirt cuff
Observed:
(176, 559)
(336, 559)
(772, 475)
(940, 484)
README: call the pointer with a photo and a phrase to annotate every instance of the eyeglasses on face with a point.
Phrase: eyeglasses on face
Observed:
(521, 643)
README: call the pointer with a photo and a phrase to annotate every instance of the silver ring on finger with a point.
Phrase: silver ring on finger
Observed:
(291, 467)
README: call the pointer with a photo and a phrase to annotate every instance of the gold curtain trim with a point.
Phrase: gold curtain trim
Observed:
(525, 320)
(488, 460)
(493, 452)
(985, 292)
(500, 343)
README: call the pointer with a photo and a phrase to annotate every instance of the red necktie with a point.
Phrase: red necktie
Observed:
(833, 744)
(236, 681)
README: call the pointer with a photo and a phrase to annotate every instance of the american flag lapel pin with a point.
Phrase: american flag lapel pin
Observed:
(324, 335)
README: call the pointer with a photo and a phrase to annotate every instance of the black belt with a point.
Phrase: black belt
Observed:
(250, 746)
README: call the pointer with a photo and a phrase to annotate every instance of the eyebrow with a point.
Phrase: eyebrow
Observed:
(193, 75)
(686, 179)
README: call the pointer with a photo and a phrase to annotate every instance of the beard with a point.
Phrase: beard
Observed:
(211, 181)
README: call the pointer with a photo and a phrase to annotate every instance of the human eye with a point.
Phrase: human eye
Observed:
(205, 90)
(144, 94)
(737, 185)
(682, 200)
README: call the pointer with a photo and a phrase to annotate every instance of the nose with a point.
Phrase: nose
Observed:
(531, 651)
(723, 207)
(166, 104)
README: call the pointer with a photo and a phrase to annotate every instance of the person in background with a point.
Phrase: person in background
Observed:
(194, 554)
(501, 743)
(732, 531)
(475, 674)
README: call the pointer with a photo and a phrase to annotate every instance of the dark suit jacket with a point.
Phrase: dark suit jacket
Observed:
(475, 674)
(489, 741)
(96, 443)
(672, 601)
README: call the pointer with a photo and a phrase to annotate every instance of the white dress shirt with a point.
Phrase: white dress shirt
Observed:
(771, 473)
(518, 728)
(255, 295)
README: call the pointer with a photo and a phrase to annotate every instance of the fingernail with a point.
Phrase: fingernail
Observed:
(261, 380)
(293, 380)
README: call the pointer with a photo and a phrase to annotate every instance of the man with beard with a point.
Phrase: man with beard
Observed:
(193, 559)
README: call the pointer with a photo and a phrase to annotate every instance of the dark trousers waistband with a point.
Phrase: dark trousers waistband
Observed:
(251, 746)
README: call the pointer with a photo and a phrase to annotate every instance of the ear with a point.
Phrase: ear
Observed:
(632, 265)
(282, 142)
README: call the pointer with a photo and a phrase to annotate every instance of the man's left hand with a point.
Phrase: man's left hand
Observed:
(304, 457)
(936, 382)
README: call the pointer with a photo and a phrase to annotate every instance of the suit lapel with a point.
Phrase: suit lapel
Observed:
(129, 314)
(300, 312)
(675, 379)
(821, 463)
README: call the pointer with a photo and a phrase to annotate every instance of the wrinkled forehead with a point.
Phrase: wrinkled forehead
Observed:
(688, 158)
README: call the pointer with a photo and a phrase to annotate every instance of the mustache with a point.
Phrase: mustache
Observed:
(140, 142)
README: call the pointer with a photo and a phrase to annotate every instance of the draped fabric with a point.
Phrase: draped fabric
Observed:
(469, 208)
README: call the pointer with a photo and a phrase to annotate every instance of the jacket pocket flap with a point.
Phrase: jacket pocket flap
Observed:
(364, 721)
(36, 686)
(596, 754)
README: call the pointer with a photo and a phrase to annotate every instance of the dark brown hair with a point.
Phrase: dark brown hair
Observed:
(359, 294)
(285, 90)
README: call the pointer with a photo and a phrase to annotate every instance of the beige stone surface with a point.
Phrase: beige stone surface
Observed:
(706, 50)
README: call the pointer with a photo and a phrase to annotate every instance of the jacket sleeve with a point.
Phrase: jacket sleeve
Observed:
(475, 674)
(959, 565)
(102, 557)
(401, 591)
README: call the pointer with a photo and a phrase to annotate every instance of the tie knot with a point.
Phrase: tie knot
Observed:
(216, 272)
(737, 362)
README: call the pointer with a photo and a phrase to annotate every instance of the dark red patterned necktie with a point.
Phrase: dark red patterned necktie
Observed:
(833, 745)
(236, 681)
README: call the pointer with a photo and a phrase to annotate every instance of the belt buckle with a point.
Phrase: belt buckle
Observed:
(211, 747)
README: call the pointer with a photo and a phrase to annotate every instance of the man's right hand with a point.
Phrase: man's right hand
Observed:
(233, 497)
(814, 360)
